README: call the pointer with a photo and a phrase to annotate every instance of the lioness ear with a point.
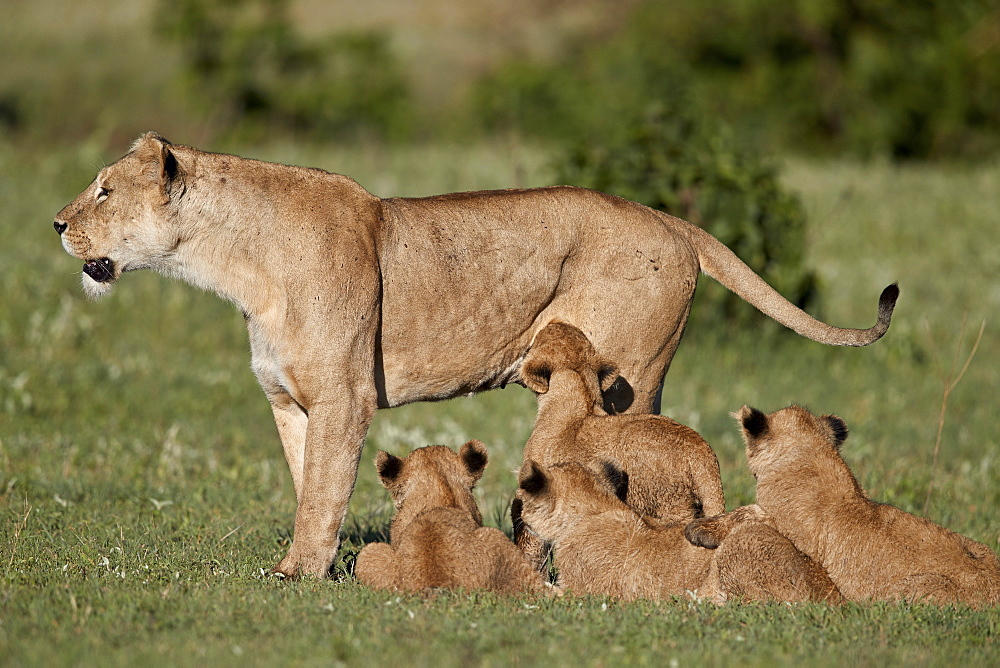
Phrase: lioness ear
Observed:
(388, 466)
(532, 478)
(754, 421)
(159, 163)
(475, 458)
(607, 374)
(536, 376)
(839, 428)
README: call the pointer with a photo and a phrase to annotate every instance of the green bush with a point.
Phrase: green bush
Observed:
(248, 64)
(905, 80)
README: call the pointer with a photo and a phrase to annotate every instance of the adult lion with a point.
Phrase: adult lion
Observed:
(354, 302)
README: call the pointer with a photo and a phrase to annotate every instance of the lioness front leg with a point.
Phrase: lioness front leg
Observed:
(291, 421)
(334, 438)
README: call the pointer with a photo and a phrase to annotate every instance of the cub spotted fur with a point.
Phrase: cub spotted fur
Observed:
(603, 547)
(437, 535)
(871, 550)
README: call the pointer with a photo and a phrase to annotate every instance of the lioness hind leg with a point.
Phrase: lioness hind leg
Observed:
(376, 566)
(925, 588)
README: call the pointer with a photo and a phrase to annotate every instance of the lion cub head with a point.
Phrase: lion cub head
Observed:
(432, 477)
(117, 223)
(555, 498)
(563, 350)
(790, 440)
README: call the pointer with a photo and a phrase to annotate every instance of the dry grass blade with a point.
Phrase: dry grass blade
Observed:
(949, 385)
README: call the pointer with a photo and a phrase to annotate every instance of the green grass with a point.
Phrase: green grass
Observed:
(143, 489)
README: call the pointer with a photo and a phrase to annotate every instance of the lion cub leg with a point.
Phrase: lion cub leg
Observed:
(709, 532)
(534, 549)
(754, 562)
(376, 566)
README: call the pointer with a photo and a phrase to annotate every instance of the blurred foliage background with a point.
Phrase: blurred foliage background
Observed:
(904, 80)
(666, 102)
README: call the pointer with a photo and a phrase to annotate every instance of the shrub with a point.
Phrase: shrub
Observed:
(248, 64)
(894, 78)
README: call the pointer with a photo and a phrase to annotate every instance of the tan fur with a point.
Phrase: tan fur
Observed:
(354, 302)
(872, 551)
(437, 536)
(668, 471)
(603, 547)
(778, 570)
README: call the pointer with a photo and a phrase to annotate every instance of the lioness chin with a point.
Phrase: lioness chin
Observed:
(354, 302)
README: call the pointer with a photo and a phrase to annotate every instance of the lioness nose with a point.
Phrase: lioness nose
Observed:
(60, 227)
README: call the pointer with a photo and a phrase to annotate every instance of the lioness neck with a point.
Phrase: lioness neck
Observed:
(236, 215)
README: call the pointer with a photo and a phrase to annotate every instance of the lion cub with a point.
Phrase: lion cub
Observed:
(437, 537)
(604, 547)
(671, 473)
(871, 550)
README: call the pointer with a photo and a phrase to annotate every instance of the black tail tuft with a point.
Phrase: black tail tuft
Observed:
(887, 302)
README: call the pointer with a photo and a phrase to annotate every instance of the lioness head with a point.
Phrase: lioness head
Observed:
(561, 347)
(121, 221)
(555, 498)
(431, 477)
(789, 436)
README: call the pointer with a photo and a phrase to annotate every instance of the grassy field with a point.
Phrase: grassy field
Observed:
(143, 489)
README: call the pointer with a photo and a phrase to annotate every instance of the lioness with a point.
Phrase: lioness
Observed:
(353, 302)
(871, 550)
(603, 547)
(437, 536)
(671, 472)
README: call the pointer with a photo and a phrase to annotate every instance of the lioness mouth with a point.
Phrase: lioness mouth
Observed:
(102, 270)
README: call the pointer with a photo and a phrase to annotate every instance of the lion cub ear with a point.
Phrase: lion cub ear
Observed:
(474, 458)
(839, 428)
(532, 478)
(610, 473)
(536, 375)
(607, 374)
(388, 466)
(753, 421)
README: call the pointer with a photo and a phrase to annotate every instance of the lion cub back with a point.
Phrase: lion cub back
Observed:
(604, 547)
(871, 550)
(437, 536)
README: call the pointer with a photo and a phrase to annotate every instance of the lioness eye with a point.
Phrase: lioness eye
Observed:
(102, 194)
